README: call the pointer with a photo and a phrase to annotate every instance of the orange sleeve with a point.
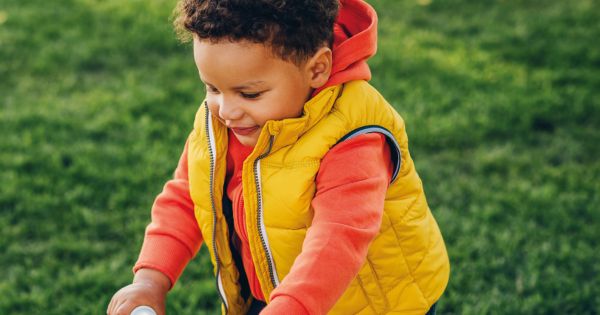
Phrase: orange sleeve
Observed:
(351, 188)
(173, 238)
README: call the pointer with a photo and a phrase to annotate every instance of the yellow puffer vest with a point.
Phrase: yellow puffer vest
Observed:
(407, 266)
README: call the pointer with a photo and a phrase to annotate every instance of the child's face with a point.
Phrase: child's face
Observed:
(247, 85)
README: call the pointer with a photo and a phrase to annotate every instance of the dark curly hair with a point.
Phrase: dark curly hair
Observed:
(295, 29)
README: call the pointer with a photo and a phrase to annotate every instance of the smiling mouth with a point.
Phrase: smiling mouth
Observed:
(244, 131)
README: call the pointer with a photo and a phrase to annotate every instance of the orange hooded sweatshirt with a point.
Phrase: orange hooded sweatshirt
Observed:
(317, 278)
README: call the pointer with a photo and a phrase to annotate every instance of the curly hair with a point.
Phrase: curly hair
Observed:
(295, 29)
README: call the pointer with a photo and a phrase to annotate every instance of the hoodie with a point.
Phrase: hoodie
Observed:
(354, 41)
(173, 237)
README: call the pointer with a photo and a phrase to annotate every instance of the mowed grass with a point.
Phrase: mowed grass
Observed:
(501, 101)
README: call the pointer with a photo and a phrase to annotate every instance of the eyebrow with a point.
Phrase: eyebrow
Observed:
(242, 86)
(248, 84)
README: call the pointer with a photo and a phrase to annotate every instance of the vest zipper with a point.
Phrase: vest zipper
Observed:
(213, 157)
(260, 222)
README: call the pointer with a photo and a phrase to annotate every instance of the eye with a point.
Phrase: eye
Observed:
(211, 89)
(250, 95)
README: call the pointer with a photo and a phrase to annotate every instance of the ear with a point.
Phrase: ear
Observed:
(318, 67)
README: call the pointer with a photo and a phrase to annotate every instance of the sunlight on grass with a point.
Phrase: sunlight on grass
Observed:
(3, 17)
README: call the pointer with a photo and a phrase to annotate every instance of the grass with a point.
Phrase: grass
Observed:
(502, 105)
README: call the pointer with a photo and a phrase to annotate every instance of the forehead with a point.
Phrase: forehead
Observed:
(229, 65)
(232, 60)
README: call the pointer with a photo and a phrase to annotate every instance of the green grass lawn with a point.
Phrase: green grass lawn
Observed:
(501, 100)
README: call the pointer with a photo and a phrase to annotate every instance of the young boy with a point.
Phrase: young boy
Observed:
(296, 175)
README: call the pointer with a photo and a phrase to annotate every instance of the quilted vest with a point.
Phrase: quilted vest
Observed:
(407, 267)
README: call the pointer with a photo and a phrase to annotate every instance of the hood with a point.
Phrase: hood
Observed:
(354, 41)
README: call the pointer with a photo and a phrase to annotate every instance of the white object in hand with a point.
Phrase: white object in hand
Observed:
(143, 310)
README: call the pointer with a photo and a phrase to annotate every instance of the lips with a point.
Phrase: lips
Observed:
(244, 131)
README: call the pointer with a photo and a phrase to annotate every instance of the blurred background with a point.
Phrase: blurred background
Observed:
(501, 100)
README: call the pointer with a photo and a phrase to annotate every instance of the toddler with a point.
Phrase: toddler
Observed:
(296, 174)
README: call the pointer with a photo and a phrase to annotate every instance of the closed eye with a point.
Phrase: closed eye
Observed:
(251, 95)
(211, 89)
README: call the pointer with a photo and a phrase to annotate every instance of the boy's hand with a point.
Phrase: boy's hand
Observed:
(149, 288)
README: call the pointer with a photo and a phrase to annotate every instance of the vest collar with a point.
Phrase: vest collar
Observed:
(287, 131)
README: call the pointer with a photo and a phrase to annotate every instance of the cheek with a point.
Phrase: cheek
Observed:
(212, 105)
(296, 96)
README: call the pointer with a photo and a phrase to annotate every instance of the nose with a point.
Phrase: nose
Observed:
(229, 110)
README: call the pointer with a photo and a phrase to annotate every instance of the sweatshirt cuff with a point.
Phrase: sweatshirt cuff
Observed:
(165, 254)
(284, 304)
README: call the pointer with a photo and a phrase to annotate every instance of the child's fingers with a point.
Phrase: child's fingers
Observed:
(124, 309)
(109, 309)
(114, 306)
(133, 295)
(115, 302)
